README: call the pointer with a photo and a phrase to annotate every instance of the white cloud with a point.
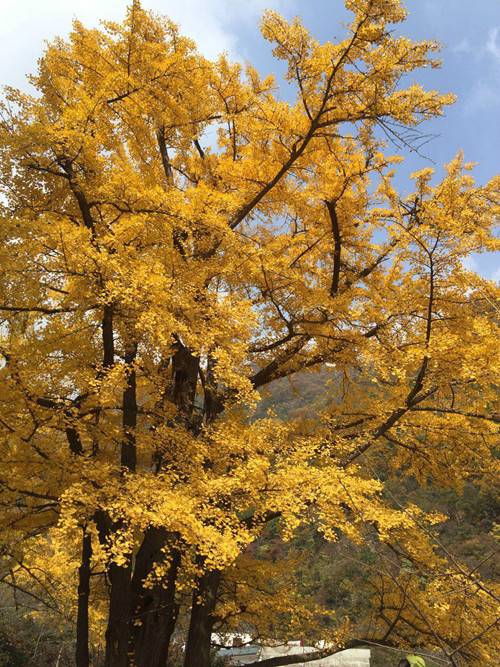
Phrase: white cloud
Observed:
(485, 93)
(492, 46)
(26, 24)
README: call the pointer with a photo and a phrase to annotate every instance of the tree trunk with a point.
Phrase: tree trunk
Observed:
(202, 620)
(117, 632)
(82, 619)
(128, 457)
(154, 610)
(185, 375)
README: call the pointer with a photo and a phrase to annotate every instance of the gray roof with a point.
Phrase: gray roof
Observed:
(238, 650)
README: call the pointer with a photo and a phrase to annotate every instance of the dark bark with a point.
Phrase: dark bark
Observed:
(337, 246)
(119, 577)
(274, 369)
(146, 644)
(179, 236)
(185, 376)
(120, 602)
(213, 404)
(82, 619)
(117, 632)
(128, 458)
(154, 608)
(198, 642)
(167, 167)
(108, 343)
(83, 203)
(74, 441)
(75, 444)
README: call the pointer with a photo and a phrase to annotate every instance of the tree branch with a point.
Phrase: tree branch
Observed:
(337, 247)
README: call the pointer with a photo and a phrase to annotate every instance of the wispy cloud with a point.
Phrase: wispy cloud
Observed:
(25, 24)
(492, 45)
(484, 94)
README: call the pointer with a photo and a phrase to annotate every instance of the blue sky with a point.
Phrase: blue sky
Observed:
(469, 32)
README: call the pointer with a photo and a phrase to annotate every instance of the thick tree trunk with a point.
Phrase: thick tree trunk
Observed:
(141, 620)
(120, 602)
(185, 375)
(82, 619)
(202, 620)
(117, 632)
(154, 611)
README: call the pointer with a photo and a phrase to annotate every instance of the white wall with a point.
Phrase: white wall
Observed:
(354, 657)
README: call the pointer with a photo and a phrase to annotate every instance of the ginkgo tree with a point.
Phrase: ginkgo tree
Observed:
(175, 237)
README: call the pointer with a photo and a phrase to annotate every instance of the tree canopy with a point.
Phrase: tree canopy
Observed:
(175, 237)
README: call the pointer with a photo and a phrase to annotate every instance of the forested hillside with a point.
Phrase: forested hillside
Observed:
(340, 574)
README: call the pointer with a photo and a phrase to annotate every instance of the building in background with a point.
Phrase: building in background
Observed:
(240, 651)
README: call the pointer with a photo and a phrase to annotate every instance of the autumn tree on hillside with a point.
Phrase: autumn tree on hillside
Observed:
(153, 280)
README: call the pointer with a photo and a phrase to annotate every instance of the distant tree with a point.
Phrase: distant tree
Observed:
(153, 280)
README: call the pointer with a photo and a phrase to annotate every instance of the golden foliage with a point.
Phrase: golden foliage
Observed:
(135, 248)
